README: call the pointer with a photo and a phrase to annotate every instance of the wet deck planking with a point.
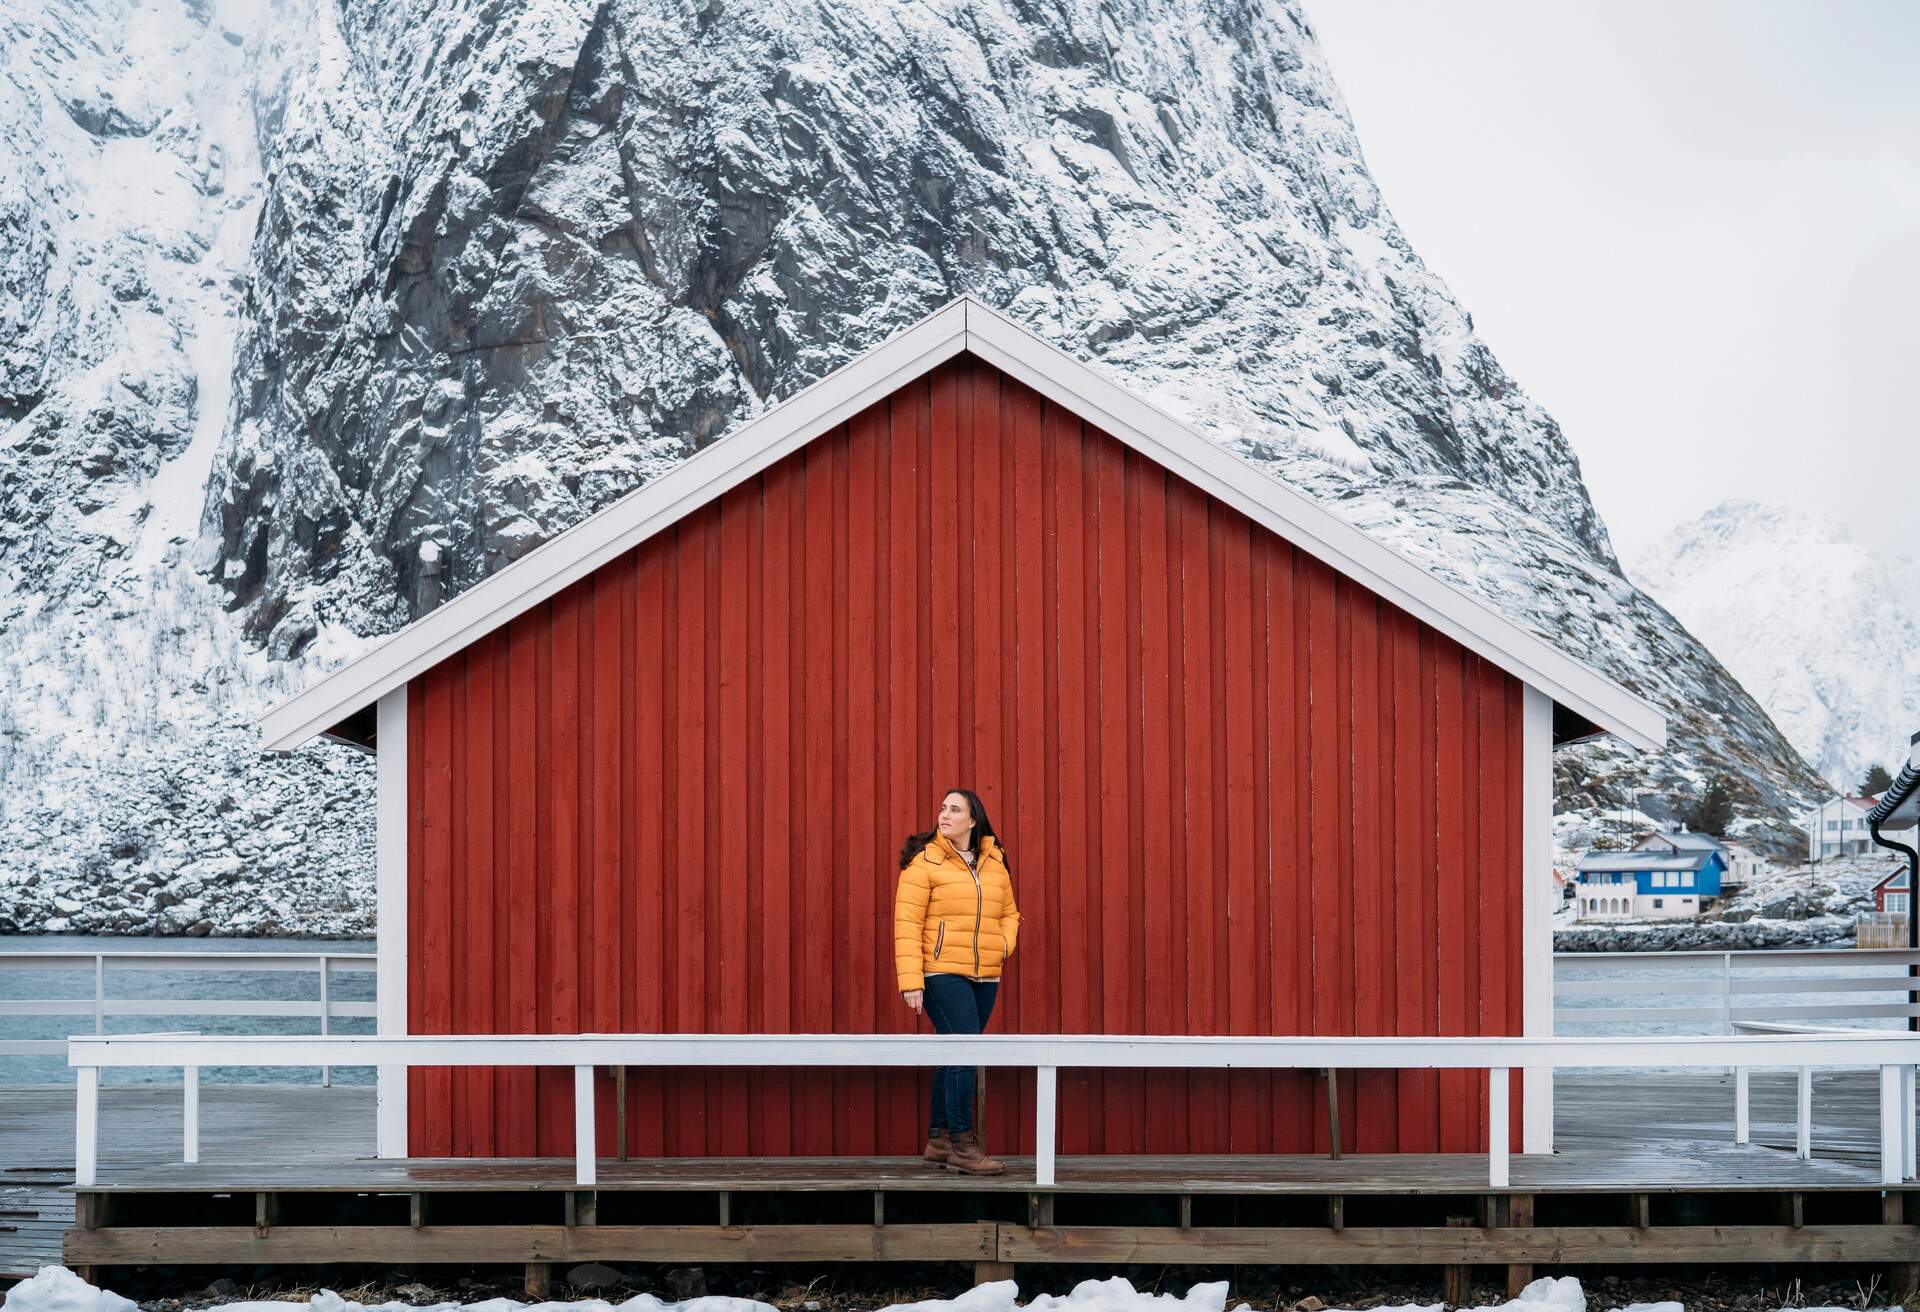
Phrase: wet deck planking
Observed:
(1611, 1130)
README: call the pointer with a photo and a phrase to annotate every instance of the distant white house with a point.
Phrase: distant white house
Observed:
(1838, 827)
(1743, 865)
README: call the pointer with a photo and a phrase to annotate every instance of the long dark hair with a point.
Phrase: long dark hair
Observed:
(982, 828)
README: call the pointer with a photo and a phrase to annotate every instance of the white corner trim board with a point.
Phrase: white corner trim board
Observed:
(390, 898)
(962, 325)
(1536, 912)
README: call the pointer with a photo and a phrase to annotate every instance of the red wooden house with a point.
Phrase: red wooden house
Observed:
(1256, 772)
(1892, 895)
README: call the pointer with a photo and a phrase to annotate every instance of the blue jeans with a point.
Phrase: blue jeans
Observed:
(956, 1005)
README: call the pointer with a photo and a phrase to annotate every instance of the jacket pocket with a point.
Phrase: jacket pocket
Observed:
(939, 938)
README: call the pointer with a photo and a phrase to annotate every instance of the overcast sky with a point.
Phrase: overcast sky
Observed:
(1690, 229)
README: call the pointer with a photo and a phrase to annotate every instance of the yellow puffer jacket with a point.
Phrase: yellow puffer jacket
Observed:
(948, 920)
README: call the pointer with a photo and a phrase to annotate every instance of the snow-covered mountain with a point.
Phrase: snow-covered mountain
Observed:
(133, 795)
(1823, 631)
(316, 314)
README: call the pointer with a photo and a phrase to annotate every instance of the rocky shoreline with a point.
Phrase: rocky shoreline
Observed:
(1708, 936)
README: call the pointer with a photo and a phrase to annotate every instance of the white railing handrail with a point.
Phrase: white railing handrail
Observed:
(1895, 1054)
(1783, 958)
(1131, 1051)
(159, 959)
(322, 962)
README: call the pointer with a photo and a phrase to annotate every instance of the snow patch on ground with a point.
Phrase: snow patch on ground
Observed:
(57, 1289)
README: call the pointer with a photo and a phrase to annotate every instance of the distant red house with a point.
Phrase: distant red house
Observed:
(1893, 893)
(1256, 772)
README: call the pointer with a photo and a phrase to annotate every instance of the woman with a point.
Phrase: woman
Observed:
(954, 923)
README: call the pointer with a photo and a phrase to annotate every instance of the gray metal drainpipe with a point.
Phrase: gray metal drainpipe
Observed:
(1913, 872)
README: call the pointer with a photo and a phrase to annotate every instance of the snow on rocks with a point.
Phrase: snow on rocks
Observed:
(1114, 1294)
(333, 387)
(1841, 678)
(56, 1289)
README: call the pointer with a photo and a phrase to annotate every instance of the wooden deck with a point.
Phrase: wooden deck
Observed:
(273, 1156)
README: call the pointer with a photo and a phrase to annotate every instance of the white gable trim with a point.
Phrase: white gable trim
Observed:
(963, 325)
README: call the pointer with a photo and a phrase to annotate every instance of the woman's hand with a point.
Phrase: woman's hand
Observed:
(915, 998)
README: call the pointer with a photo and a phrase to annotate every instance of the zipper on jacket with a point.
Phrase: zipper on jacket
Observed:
(940, 936)
(979, 908)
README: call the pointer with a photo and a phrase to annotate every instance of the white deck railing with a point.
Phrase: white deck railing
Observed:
(1724, 989)
(1893, 1054)
(324, 965)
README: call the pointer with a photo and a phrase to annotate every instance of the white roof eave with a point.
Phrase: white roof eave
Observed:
(962, 325)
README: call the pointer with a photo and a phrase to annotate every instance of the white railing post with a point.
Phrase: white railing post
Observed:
(1742, 1086)
(1726, 992)
(190, 1114)
(585, 1144)
(1906, 1121)
(1497, 1127)
(1892, 1150)
(1803, 1115)
(1045, 1082)
(86, 1125)
(326, 1025)
(99, 993)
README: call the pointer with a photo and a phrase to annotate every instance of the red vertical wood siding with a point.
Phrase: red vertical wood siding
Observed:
(1240, 793)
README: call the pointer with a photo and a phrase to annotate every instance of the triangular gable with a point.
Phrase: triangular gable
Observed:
(962, 325)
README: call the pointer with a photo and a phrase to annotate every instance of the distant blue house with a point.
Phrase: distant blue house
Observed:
(1661, 877)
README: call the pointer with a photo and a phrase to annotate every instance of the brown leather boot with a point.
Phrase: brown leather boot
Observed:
(939, 1148)
(969, 1156)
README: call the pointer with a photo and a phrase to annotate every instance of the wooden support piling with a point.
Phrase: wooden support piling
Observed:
(1903, 1278)
(620, 1112)
(1333, 1113)
(1457, 1281)
(1519, 1213)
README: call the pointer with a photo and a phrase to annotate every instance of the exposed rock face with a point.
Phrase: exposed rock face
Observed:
(498, 263)
(133, 795)
(516, 261)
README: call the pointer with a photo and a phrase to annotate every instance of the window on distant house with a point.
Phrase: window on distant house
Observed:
(1832, 825)
(1897, 903)
(1658, 903)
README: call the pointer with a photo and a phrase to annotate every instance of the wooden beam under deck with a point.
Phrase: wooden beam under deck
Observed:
(222, 1245)
(994, 1241)
(1448, 1245)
